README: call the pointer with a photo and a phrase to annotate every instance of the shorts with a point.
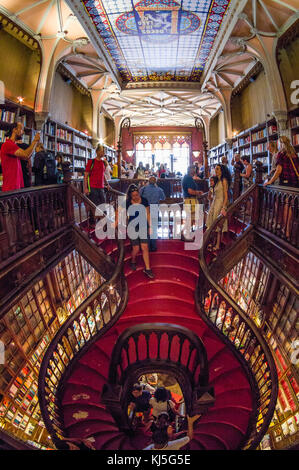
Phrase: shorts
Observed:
(138, 241)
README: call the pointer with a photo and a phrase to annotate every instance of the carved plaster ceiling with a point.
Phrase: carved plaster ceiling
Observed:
(160, 62)
(161, 107)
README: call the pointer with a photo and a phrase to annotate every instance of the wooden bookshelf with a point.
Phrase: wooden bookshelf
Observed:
(216, 153)
(75, 146)
(11, 113)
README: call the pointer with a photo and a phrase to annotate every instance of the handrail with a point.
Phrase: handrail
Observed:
(29, 215)
(172, 331)
(279, 212)
(230, 322)
(177, 351)
(87, 323)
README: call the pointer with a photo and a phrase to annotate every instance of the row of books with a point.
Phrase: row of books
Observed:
(244, 140)
(79, 141)
(259, 134)
(79, 163)
(64, 134)
(294, 121)
(7, 116)
(259, 148)
(64, 148)
(295, 139)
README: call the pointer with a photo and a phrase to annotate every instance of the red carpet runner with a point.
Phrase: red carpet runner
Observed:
(169, 298)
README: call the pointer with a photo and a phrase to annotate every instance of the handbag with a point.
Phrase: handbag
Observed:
(295, 169)
(170, 412)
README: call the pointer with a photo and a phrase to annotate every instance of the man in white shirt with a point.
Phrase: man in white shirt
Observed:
(161, 442)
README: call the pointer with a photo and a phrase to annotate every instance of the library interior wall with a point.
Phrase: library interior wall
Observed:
(289, 69)
(251, 105)
(20, 68)
(69, 106)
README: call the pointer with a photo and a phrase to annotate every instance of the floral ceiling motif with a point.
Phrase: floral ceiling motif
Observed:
(158, 40)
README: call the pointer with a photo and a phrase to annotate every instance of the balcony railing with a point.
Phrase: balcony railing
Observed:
(228, 320)
(30, 215)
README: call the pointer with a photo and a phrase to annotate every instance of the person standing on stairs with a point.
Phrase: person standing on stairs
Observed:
(134, 198)
(161, 438)
(153, 194)
(220, 202)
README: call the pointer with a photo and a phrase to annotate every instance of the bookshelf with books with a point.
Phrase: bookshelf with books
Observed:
(26, 330)
(10, 113)
(216, 154)
(75, 146)
(252, 142)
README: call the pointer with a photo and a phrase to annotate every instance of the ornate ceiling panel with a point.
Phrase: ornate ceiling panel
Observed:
(158, 40)
(161, 108)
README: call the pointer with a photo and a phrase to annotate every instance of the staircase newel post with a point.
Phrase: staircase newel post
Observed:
(67, 178)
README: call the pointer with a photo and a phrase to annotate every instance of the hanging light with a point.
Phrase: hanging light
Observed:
(196, 153)
(130, 152)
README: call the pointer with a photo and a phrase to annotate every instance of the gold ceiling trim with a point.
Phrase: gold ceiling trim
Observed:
(19, 33)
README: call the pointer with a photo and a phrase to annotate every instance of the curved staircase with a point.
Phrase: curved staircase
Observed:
(169, 298)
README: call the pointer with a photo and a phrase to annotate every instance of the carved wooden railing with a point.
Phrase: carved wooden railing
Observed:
(91, 320)
(230, 322)
(158, 347)
(279, 212)
(30, 215)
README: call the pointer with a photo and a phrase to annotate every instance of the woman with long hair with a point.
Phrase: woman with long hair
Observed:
(220, 201)
(287, 170)
(273, 150)
(287, 164)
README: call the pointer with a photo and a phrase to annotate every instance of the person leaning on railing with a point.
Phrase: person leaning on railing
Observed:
(287, 170)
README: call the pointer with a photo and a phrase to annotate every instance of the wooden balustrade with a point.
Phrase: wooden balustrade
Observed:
(164, 348)
(279, 212)
(91, 320)
(29, 215)
(229, 321)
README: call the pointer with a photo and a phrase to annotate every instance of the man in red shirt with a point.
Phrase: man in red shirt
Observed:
(11, 156)
(94, 178)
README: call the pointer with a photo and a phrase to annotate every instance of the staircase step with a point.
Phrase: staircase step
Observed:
(209, 442)
(85, 376)
(74, 414)
(179, 275)
(96, 360)
(80, 394)
(92, 428)
(158, 290)
(229, 398)
(235, 416)
(223, 431)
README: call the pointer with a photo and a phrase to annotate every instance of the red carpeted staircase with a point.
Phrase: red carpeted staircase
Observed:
(169, 298)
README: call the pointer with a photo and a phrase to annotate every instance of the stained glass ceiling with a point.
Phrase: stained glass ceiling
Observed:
(158, 40)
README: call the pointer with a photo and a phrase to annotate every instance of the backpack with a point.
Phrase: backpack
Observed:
(50, 168)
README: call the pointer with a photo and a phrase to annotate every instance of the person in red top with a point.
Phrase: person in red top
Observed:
(94, 178)
(11, 156)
